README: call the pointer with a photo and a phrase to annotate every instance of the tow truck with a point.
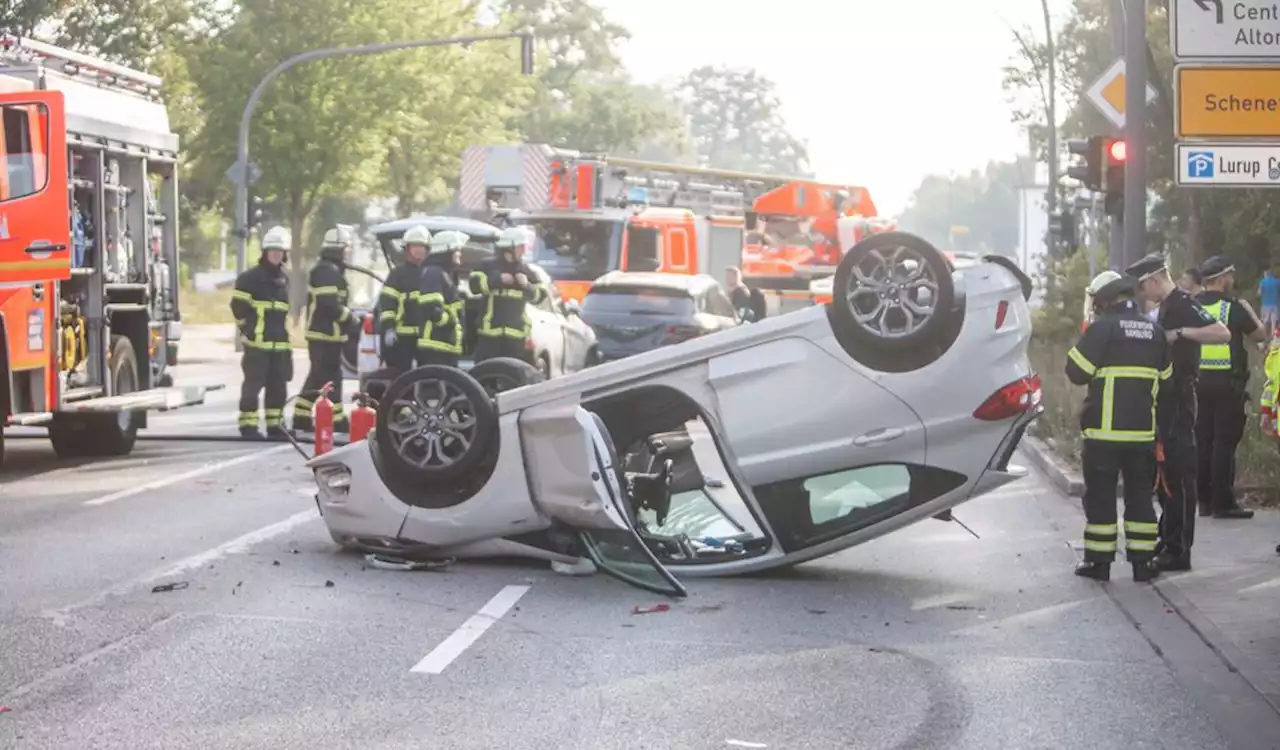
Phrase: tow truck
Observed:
(596, 213)
(88, 250)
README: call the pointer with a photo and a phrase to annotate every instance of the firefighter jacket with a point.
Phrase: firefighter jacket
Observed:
(1123, 357)
(395, 311)
(327, 297)
(504, 311)
(260, 304)
(437, 310)
(1271, 372)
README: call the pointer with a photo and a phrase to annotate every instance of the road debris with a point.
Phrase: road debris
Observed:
(329, 584)
(638, 610)
(175, 586)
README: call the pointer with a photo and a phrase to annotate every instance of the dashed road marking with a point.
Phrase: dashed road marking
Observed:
(176, 478)
(470, 631)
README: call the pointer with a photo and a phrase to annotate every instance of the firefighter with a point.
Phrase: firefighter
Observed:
(396, 324)
(1186, 326)
(438, 304)
(328, 330)
(507, 285)
(1224, 373)
(1122, 357)
(260, 304)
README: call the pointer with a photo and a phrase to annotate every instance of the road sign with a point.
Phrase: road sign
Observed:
(235, 173)
(1228, 164)
(1107, 94)
(1222, 30)
(1227, 102)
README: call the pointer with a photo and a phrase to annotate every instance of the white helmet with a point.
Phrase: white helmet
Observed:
(277, 238)
(448, 241)
(514, 237)
(335, 238)
(417, 235)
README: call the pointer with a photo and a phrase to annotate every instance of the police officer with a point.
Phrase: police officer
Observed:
(1224, 373)
(260, 304)
(397, 324)
(507, 285)
(1186, 326)
(329, 328)
(437, 302)
(1122, 357)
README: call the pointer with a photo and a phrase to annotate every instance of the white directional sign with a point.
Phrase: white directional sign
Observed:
(1224, 29)
(1228, 164)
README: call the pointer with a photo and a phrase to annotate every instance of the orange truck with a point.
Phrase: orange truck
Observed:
(88, 246)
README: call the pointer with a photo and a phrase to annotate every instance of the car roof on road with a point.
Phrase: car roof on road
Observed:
(470, 227)
(647, 280)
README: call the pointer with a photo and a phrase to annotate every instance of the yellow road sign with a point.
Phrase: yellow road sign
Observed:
(1107, 93)
(1227, 102)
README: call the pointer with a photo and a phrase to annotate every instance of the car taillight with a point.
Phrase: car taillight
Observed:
(683, 333)
(1011, 400)
(1002, 312)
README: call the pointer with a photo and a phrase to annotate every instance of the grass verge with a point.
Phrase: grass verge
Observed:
(214, 308)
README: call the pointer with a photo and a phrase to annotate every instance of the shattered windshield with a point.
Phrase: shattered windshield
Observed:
(576, 249)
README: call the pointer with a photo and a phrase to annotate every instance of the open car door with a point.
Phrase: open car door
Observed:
(35, 231)
(620, 552)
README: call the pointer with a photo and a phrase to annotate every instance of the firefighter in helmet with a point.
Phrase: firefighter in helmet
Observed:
(260, 304)
(438, 306)
(507, 286)
(1122, 357)
(330, 326)
(397, 327)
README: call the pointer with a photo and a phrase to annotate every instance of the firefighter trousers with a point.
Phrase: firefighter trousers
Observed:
(492, 347)
(1176, 491)
(266, 373)
(1219, 430)
(1104, 464)
(326, 367)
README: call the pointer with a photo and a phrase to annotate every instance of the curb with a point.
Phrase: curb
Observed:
(1054, 468)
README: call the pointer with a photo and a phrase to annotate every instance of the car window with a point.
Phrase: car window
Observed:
(718, 303)
(637, 301)
(809, 511)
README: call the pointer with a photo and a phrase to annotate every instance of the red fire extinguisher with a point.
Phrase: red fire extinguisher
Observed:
(363, 418)
(324, 421)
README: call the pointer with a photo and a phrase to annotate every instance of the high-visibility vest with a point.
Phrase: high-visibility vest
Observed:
(1217, 356)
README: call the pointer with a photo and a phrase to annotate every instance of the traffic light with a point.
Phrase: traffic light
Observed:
(1116, 154)
(1090, 173)
(1063, 229)
(255, 213)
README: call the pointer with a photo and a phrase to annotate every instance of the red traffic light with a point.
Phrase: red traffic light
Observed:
(1116, 151)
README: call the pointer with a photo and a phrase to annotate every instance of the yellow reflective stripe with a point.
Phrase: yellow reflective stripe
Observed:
(1141, 527)
(1121, 436)
(1128, 371)
(1108, 402)
(394, 294)
(320, 291)
(331, 337)
(1217, 356)
(387, 315)
(240, 294)
(515, 293)
(1166, 373)
(1140, 545)
(1081, 361)
(407, 329)
(248, 419)
(1093, 546)
(1102, 529)
(483, 280)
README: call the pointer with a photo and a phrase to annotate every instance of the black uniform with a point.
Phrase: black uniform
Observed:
(328, 330)
(746, 298)
(396, 313)
(1176, 414)
(437, 310)
(1221, 395)
(260, 304)
(1122, 357)
(504, 326)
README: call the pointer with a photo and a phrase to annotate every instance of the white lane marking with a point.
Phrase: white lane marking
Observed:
(238, 545)
(470, 631)
(174, 479)
(740, 743)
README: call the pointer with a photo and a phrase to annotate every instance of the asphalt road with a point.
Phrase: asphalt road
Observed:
(929, 638)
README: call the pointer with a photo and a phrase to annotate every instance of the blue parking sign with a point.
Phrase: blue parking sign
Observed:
(1200, 165)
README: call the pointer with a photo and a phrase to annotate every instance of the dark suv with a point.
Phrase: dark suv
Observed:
(632, 313)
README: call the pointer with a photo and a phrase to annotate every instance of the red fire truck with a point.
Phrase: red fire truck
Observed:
(88, 249)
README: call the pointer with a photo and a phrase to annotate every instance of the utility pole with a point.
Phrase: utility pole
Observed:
(1135, 130)
(1115, 237)
(1051, 110)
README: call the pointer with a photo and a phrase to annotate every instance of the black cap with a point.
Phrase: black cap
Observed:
(1151, 264)
(1109, 293)
(1216, 266)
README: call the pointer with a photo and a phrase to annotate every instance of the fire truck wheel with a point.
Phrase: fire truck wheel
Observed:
(116, 433)
(435, 425)
(892, 293)
(505, 373)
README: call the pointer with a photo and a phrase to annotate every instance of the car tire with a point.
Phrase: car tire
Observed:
(875, 309)
(445, 456)
(505, 373)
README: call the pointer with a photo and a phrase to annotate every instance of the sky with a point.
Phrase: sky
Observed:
(884, 91)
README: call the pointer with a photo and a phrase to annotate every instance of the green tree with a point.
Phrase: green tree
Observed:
(975, 213)
(25, 17)
(736, 122)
